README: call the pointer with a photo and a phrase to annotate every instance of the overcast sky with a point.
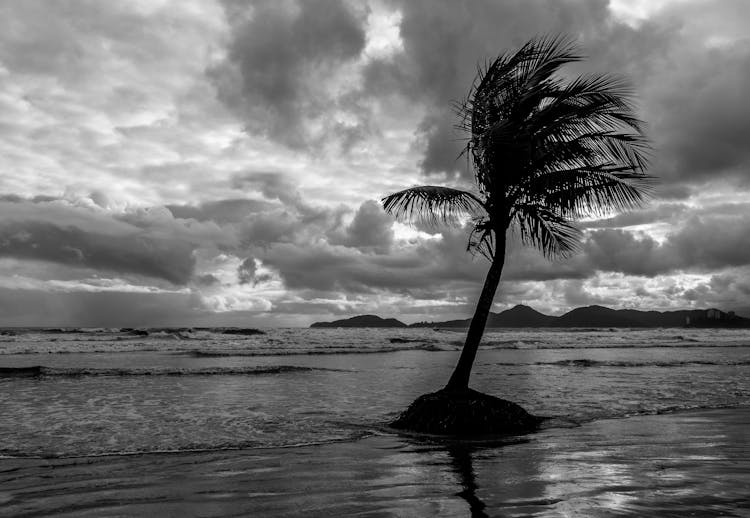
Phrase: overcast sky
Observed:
(196, 162)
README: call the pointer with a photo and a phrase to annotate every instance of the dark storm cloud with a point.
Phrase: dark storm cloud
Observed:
(302, 225)
(329, 268)
(690, 68)
(524, 263)
(621, 251)
(280, 55)
(247, 273)
(691, 86)
(138, 243)
(370, 229)
(433, 270)
(135, 254)
(283, 217)
(251, 222)
(699, 114)
(444, 41)
(221, 211)
(434, 267)
(703, 244)
(713, 243)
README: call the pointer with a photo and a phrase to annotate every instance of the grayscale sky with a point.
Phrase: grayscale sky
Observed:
(195, 162)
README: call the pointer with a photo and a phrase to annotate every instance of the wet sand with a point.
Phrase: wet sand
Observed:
(683, 464)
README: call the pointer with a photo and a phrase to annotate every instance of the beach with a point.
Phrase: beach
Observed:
(293, 422)
(683, 464)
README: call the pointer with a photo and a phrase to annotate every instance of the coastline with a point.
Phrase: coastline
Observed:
(667, 464)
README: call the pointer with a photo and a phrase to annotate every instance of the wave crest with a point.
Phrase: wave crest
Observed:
(41, 371)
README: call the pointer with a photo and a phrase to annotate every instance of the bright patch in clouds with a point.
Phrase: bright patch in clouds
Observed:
(635, 12)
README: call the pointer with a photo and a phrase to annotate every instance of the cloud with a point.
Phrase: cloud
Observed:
(663, 212)
(284, 62)
(424, 269)
(273, 186)
(703, 243)
(699, 113)
(621, 251)
(713, 243)
(340, 270)
(689, 64)
(161, 160)
(248, 273)
(690, 71)
(169, 260)
(207, 280)
(371, 229)
(444, 42)
(221, 211)
(249, 222)
(59, 232)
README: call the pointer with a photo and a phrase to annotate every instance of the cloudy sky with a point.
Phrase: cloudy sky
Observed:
(197, 162)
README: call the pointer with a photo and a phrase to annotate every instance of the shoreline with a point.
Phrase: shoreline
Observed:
(383, 429)
(639, 465)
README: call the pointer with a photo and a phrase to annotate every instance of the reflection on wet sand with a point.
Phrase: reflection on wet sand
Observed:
(664, 465)
(460, 459)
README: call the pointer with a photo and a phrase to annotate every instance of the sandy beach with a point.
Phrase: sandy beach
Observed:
(681, 464)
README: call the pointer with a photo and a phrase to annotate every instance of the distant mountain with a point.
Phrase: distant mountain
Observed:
(362, 321)
(519, 316)
(600, 316)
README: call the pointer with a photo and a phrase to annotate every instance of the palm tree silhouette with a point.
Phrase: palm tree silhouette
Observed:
(544, 151)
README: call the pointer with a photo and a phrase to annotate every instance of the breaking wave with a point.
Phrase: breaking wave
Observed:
(317, 351)
(617, 363)
(41, 371)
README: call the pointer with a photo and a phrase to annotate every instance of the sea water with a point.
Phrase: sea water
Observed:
(87, 392)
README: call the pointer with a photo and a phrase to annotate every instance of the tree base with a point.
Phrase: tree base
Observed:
(465, 413)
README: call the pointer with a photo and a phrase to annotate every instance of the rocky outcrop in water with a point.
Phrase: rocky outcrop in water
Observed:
(467, 413)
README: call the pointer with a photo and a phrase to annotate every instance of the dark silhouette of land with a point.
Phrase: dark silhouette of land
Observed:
(362, 321)
(589, 316)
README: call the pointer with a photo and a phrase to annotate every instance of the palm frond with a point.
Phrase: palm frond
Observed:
(545, 150)
(588, 191)
(432, 204)
(583, 105)
(592, 149)
(482, 238)
(547, 230)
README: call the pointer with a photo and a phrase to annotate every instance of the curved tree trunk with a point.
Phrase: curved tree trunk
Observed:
(459, 380)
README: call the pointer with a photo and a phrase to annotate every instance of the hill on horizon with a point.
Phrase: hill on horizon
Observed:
(588, 316)
(362, 321)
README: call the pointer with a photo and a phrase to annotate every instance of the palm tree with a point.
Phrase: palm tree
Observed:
(545, 151)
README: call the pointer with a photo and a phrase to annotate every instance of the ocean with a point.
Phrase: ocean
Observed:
(95, 392)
